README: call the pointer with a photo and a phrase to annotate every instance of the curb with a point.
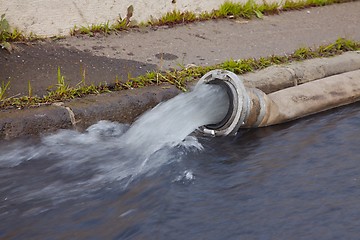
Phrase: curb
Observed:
(126, 106)
(15, 123)
(78, 114)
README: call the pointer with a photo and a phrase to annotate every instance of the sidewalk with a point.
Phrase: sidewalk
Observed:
(106, 57)
(140, 50)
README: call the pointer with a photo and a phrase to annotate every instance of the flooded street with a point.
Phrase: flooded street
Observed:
(299, 180)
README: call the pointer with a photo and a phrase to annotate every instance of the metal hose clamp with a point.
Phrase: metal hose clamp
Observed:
(239, 100)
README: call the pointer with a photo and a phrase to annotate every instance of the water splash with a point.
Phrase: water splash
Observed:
(69, 163)
(170, 122)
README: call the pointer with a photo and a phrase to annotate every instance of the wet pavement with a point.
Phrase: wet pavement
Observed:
(38, 63)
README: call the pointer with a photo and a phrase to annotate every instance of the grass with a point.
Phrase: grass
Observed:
(228, 9)
(174, 17)
(297, 5)
(247, 10)
(178, 77)
(106, 28)
(64, 91)
(9, 34)
(92, 29)
(3, 89)
(6, 34)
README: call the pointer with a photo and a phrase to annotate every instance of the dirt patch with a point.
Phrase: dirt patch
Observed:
(303, 98)
(166, 56)
(337, 93)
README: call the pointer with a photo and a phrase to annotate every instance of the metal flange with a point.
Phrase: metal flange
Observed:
(239, 100)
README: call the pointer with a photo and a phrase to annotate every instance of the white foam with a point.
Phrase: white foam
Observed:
(108, 152)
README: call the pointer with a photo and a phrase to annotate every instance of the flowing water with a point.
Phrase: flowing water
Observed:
(299, 180)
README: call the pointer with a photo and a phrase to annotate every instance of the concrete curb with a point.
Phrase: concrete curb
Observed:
(126, 106)
(123, 106)
(15, 123)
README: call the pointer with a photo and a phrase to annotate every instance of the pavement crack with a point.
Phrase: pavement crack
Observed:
(70, 112)
(71, 115)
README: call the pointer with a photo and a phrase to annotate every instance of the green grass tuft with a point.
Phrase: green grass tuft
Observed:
(3, 88)
(248, 10)
(174, 17)
(8, 35)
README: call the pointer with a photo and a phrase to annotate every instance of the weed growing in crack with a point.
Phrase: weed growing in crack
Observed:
(297, 5)
(174, 17)
(106, 28)
(3, 88)
(247, 10)
(62, 87)
(30, 91)
(5, 33)
(8, 35)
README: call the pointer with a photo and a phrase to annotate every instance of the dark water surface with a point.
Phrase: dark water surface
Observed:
(299, 180)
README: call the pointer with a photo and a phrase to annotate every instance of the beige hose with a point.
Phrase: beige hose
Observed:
(313, 97)
(251, 107)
